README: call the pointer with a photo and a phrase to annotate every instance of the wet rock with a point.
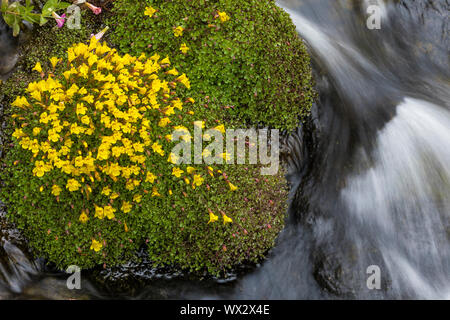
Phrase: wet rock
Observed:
(51, 288)
(8, 49)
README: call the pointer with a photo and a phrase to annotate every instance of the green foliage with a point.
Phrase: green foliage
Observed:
(254, 66)
(15, 13)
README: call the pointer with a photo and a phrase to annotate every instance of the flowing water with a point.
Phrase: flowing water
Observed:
(370, 171)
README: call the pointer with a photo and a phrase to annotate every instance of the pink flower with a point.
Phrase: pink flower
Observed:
(95, 10)
(60, 20)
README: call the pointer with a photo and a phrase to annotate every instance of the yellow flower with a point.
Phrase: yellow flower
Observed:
(106, 191)
(165, 61)
(36, 131)
(114, 195)
(85, 120)
(54, 61)
(36, 95)
(137, 198)
(226, 219)
(109, 212)
(73, 185)
(83, 218)
(198, 180)
(212, 217)
(150, 177)
(149, 11)
(96, 246)
(158, 148)
(155, 192)
(126, 207)
(173, 72)
(88, 99)
(81, 109)
(173, 158)
(184, 80)
(99, 212)
(20, 102)
(177, 172)
(232, 186)
(190, 169)
(178, 31)
(223, 16)
(38, 67)
(56, 190)
(184, 48)
(164, 122)
(220, 128)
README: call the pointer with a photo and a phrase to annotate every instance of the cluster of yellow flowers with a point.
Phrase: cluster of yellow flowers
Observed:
(102, 126)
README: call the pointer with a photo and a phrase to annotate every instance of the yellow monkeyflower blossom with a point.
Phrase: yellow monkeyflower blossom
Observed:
(178, 31)
(56, 190)
(155, 192)
(212, 217)
(54, 61)
(38, 67)
(96, 246)
(190, 169)
(177, 172)
(149, 11)
(109, 212)
(158, 148)
(184, 48)
(99, 212)
(173, 72)
(223, 16)
(198, 180)
(220, 128)
(73, 185)
(81, 109)
(226, 219)
(20, 102)
(184, 80)
(137, 198)
(173, 158)
(232, 186)
(83, 218)
(106, 191)
(150, 177)
(126, 207)
(164, 122)
(165, 61)
(36, 131)
(114, 195)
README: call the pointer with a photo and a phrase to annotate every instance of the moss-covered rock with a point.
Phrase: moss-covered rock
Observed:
(241, 74)
(90, 156)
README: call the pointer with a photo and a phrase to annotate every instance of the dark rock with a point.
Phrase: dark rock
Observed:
(8, 49)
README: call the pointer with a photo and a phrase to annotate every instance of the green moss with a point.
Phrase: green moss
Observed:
(255, 62)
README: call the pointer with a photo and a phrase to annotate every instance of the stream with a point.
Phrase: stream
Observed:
(369, 174)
